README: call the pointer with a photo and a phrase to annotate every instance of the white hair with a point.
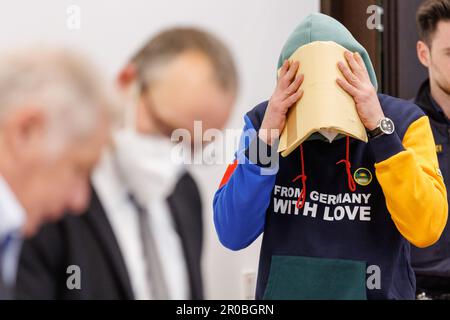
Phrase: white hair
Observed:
(61, 82)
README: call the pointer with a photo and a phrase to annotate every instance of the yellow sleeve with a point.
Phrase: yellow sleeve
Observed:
(414, 188)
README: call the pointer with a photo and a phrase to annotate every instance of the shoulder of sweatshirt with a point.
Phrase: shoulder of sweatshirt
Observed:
(256, 115)
(402, 112)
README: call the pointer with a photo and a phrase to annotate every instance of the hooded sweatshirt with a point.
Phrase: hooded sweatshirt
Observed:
(337, 219)
(435, 260)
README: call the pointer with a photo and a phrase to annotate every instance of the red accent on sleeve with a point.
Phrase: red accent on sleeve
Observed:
(228, 173)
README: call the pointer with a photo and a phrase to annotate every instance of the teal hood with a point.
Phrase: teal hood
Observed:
(320, 27)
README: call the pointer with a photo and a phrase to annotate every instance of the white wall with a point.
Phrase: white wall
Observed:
(110, 30)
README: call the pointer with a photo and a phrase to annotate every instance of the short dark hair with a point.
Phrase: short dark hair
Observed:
(168, 44)
(429, 14)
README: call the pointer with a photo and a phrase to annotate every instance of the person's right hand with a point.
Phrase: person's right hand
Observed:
(287, 94)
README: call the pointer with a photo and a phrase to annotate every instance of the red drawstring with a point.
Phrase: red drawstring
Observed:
(351, 181)
(302, 199)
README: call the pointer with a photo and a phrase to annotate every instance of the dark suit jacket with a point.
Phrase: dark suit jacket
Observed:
(88, 241)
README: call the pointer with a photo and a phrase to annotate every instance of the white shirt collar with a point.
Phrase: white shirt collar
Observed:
(12, 214)
(107, 182)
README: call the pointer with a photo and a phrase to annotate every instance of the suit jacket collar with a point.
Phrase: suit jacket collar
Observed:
(189, 229)
(102, 228)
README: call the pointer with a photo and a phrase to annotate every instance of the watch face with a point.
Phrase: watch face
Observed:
(387, 126)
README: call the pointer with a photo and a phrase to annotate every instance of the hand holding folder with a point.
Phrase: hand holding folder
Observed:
(325, 107)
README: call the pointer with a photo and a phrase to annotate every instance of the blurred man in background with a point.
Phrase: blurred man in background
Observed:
(432, 265)
(142, 235)
(53, 124)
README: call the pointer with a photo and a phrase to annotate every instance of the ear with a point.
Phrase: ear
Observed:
(24, 132)
(126, 76)
(423, 53)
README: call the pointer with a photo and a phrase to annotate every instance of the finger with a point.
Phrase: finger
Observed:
(359, 60)
(284, 68)
(347, 87)
(355, 67)
(291, 73)
(295, 85)
(293, 99)
(361, 63)
(348, 74)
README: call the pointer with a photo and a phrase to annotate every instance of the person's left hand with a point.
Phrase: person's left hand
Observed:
(357, 83)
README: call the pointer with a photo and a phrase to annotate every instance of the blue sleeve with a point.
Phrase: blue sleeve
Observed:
(241, 202)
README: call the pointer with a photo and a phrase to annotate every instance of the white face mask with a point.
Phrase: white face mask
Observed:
(145, 162)
(146, 165)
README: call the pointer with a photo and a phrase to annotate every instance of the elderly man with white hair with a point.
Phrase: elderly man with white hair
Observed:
(54, 121)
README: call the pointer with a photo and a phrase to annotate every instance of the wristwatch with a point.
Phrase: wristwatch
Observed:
(385, 126)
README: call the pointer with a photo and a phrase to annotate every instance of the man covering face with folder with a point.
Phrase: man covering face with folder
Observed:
(358, 181)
